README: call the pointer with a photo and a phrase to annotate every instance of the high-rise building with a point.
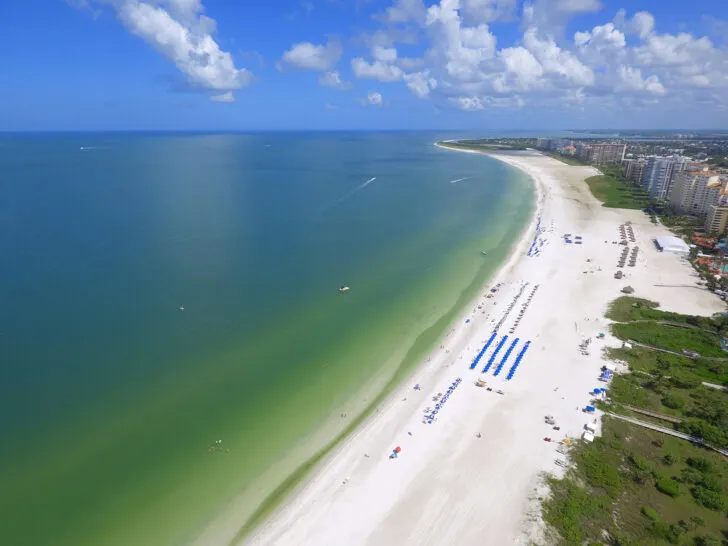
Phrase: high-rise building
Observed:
(600, 154)
(717, 219)
(658, 175)
(632, 169)
(695, 190)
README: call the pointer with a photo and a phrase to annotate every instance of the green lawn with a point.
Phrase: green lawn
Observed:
(617, 194)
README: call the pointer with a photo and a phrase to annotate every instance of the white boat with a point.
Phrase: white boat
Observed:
(344, 288)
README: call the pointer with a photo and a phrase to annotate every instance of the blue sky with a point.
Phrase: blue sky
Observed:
(363, 64)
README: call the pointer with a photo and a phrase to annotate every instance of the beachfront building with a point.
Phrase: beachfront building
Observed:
(717, 219)
(674, 245)
(600, 154)
(658, 175)
(632, 169)
(695, 189)
(553, 144)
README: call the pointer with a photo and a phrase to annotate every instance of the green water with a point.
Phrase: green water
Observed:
(112, 396)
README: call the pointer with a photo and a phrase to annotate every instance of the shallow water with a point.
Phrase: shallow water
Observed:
(112, 396)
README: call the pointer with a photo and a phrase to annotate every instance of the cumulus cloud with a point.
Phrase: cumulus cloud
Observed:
(468, 104)
(377, 70)
(404, 11)
(333, 80)
(180, 31)
(384, 54)
(308, 56)
(372, 99)
(487, 11)
(420, 83)
(630, 79)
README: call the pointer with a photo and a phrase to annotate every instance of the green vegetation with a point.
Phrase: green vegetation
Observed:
(569, 160)
(635, 486)
(642, 499)
(672, 338)
(616, 193)
(481, 145)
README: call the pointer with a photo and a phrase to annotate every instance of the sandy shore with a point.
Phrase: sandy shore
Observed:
(475, 472)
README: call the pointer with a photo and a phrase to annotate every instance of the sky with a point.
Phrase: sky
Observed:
(363, 64)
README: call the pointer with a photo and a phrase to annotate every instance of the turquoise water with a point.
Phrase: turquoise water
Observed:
(112, 396)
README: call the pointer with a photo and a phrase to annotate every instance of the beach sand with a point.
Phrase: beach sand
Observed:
(449, 486)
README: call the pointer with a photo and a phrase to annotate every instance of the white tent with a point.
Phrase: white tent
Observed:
(588, 436)
(675, 245)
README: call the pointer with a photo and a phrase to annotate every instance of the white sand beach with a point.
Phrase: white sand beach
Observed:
(473, 475)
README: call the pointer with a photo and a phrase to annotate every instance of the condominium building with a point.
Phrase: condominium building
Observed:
(632, 169)
(695, 190)
(717, 219)
(600, 153)
(658, 175)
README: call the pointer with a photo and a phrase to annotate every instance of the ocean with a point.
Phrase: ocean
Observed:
(175, 350)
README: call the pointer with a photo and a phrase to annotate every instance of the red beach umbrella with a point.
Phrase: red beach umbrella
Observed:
(397, 449)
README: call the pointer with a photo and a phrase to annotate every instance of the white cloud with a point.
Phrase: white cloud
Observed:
(460, 50)
(224, 97)
(333, 79)
(420, 83)
(487, 11)
(308, 56)
(522, 70)
(384, 54)
(557, 61)
(409, 63)
(405, 11)
(601, 38)
(551, 16)
(331, 107)
(180, 32)
(630, 79)
(641, 24)
(377, 70)
(373, 99)
(468, 104)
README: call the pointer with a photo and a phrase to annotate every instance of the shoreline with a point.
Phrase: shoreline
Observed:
(251, 535)
(476, 468)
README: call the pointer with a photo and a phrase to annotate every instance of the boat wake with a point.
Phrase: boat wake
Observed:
(359, 187)
(459, 180)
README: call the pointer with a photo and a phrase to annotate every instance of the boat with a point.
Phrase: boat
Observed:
(343, 288)
(483, 252)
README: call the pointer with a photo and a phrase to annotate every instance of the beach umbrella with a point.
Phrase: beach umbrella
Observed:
(397, 449)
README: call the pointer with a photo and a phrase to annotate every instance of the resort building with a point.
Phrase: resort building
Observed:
(695, 189)
(659, 174)
(632, 169)
(600, 154)
(717, 219)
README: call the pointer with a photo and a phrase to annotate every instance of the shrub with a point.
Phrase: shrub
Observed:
(707, 498)
(673, 401)
(700, 464)
(669, 459)
(711, 482)
(706, 541)
(668, 487)
(650, 513)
